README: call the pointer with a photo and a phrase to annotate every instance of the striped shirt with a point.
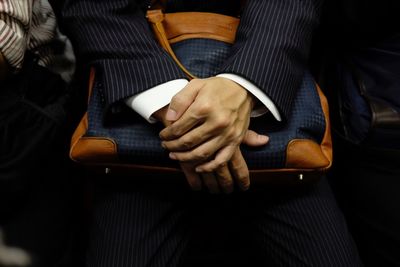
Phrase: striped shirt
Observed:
(31, 25)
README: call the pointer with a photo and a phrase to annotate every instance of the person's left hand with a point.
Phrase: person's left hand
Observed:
(214, 123)
(222, 177)
(216, 175)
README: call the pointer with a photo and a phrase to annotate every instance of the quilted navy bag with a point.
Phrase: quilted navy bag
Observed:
(299, 150)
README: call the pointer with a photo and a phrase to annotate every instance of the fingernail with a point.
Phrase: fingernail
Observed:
(172, 156)
(198, 169)
(263, 138)
(163, 145)
(171, 115)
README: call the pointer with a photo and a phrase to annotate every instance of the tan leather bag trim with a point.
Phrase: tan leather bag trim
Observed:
(89, 148)
(186, 25)
(84, 149)
(298, 148)
(92, 75)
(108, 156)
(79, 132)
(174, 27)
(322, 154)
(326, 144)
(156, 18)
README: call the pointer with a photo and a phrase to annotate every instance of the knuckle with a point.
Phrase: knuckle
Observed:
(222, 122)
(234, 133)
(219, 165)
(243, 178)
(201, 155)
(195, 82)
(244, 182)
(204, 109)
(170, 130)
(179, 99)
(186, 143)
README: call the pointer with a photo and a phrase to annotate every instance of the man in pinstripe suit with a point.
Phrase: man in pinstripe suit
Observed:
(145, 225)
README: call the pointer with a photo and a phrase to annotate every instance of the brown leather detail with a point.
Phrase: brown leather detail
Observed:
(306, 154)
(186, 25)
(92, 75)
(156, 18)
(326, 144)
(79, 132)
(175, 27)
(84, 149)
(94, 148)
(320, 156)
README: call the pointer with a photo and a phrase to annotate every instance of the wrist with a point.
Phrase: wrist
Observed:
(250, 97)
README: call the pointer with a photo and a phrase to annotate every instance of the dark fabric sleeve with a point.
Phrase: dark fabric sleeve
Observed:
(115, 38)
(272, 46)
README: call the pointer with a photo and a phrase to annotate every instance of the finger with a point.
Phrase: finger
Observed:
(220, 160)
(182, 101)
(185, 123)
(239, 170)
(251, 138)
(210, 181)
(224, 179)
(201, 153)
(192, 177)
(189, 140)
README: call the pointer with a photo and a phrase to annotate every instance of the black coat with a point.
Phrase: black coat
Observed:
(271, 48)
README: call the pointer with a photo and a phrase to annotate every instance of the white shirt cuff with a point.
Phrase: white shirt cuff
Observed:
(258, 93)
(151, 100)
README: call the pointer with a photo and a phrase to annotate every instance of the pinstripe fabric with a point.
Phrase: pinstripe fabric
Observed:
(14, 23)
(115, 37)
(287, 227)
(271, 49)
(272, 46)
(137, 229)
(138, 225)
(31, 25)
(306, 230)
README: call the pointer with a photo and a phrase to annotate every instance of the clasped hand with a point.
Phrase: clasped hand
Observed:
(205, 124)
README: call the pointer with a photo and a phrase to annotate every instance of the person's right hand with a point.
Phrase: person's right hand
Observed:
(224, 178)
(210, 118)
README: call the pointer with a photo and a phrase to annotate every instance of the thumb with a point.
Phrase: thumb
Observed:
(182, 101)
(251, 138)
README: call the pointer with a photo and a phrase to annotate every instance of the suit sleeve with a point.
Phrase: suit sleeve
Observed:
(272, 46)
(115, 38)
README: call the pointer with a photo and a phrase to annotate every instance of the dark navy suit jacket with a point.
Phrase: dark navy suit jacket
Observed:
(271, 47)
